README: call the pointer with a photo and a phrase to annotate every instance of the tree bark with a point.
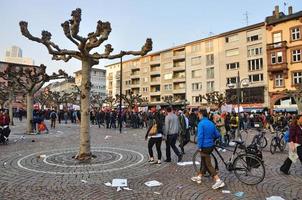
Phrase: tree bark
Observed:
(84, 152)
(299, 104)
(10, 108)
(29, 105)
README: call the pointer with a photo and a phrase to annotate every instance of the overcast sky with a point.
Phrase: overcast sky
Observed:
(167, 22)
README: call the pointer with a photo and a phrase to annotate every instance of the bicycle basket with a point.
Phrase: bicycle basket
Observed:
(253, 150)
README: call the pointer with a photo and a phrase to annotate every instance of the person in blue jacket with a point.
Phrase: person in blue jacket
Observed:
(207, 133)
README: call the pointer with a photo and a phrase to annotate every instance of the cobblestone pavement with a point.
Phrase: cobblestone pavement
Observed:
(24, 174)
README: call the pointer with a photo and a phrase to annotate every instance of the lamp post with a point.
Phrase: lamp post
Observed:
(244, 82)
(121, 91)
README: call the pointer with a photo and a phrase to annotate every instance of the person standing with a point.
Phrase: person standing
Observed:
(155, 138)
(171, 133)
(53, 118)
(207, 133)
(295, 144)
(184, 134)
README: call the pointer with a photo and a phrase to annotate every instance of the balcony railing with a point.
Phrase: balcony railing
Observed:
(276, 45)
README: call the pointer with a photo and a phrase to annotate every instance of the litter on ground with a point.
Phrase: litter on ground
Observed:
(274, 198)
(153, 183)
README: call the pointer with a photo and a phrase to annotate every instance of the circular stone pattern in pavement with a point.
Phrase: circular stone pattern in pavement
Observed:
(60, 161)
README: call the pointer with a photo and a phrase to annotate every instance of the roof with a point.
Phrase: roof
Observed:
(271, 20)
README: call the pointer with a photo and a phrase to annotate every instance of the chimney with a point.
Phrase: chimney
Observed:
(277, 14)
(290, 10)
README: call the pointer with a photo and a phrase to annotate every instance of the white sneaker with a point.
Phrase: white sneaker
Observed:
(220, 149)
(223, 150)
(218, 184)
(196, 179)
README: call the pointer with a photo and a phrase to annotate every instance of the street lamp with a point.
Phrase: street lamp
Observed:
(245, 83)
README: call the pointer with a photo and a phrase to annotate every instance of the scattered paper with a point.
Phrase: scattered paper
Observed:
(153, 183)
(107, 137)
(226, 191)
(156, 193)
(4, 163)
(126, 188)
(108, 184)
(83, 181)
(118, 189)
(187, 163)
(179, 187)
(239, 194)
(41, 156)
(274, 198)
(119, 183)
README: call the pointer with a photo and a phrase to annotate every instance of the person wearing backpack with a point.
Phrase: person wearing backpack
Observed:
(295, 144)
(53, 116)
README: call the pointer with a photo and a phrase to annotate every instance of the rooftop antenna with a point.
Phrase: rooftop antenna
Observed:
(246, 14)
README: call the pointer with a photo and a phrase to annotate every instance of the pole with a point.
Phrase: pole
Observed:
(121, 81)
(238, 102)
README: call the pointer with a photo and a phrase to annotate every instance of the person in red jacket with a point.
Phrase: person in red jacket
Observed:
(295, 137)
(4, 118)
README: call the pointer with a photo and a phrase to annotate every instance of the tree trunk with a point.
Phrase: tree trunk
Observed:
(29, 104)
(10, 108)
(84, 152)
(299, 104)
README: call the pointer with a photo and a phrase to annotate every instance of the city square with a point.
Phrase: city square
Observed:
(92, 101)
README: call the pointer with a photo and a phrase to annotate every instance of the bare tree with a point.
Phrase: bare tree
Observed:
(131, 99)
(96, 100)
(214, 98)
(59, 98)
(3, 94)
(42, 98)
(110, 100)
(84, 45)
(297, 95)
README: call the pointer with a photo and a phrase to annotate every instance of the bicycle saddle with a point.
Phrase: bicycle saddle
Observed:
(238, 142)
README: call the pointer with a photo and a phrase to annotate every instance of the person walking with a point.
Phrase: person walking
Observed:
(295, 142)
(171, 134)
(207, 133)
(184, 134)
(53, 118)
(155, 134)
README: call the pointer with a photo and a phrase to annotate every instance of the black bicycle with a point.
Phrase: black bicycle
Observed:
(247, 165)
(260, 139)
(278, 141)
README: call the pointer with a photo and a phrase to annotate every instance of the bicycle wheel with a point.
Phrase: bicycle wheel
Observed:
(273, 146)
(262, 142)
(249, 169)
(282, 143)
(197, 161)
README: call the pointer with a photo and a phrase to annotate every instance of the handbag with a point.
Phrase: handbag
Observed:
(153, 130)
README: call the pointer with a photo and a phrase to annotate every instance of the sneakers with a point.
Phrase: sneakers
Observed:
(218, 184)
(196, 179)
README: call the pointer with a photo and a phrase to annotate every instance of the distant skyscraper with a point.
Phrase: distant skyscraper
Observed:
(14, 51)
(14, 55)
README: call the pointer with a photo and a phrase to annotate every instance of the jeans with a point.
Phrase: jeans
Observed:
(157, 142)
(185, 140)
(171, 142)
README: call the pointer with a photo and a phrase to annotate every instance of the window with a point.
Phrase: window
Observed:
(295, 33)
(297, 78)
(279, 82)
(196, 99)
(254, 35)
(296, 55)
(232, 38)
(195, 48)
(196, 86)
(196, 60)
(256, 77)
(255, 64)
(210, 73)
(232, 52)
(232, 65)
(168, 76)
(168, 87)
(254, 51)
(209, 46)
(276, 57)
(209, 59)
(145, 89)
(232, 80)
(277, 37)
(210, 86)
(196, 73)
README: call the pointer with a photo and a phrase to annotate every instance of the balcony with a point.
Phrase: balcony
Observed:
(155, 61)
(281, 68)
(179, 54)
(276, 45)
(179, 90)
(179, 78)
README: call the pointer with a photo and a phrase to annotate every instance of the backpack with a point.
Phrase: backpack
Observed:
(53, 115)
(286, 136)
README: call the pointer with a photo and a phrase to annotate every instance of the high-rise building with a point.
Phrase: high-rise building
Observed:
(14, 55)
(14, 51)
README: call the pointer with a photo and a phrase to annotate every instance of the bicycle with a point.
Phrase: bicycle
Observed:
(260, 139)
(278, 141)
(243, 164)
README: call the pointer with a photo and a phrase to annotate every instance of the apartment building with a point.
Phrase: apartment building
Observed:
(97, 78)
(284, 48)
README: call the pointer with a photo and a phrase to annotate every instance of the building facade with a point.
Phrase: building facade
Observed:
(14, 55)
(97, 78)
(284, 48)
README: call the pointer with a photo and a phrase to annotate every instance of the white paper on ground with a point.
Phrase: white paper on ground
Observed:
(126, 188)
(274, 198)
(153, 183)
(108, 184)
(119, 182)
(186, 163)
(83, 181)
(226, 191)
(156, 193)
(118, 189)
(107, 137)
